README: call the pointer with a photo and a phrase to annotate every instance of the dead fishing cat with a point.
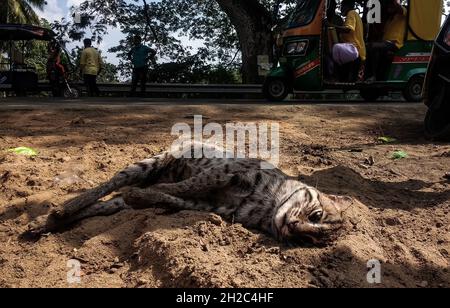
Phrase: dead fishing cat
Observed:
(239, 190)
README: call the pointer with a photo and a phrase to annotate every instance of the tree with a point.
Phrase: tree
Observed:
(20, 11)
(36, 56)
(233, 30)
(109, 73)
(241, 24)
(230, 27)
(253, 23)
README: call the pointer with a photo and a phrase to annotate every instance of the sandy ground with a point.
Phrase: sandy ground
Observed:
(401, 217)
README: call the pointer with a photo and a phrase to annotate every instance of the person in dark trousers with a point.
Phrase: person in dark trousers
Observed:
(393, 40)
(55, 69)
(140, 56)
(91, 65)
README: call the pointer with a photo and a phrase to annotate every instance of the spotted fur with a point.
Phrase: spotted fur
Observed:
(236, 189)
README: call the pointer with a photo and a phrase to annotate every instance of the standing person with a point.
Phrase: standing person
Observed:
(91, 65)
(55, 69)
(350, 55)
(393, 40)
(140, 55)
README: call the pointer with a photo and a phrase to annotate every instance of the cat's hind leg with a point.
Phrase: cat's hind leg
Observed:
(200, 184)
(133, 175)
(149, 197)
(106, 208)
(46, 224)
(180, 195)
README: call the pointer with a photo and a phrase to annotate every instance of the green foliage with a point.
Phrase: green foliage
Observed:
(192, 71)
(37, 58)
(162, 23)
(20, 11)
(109, 73)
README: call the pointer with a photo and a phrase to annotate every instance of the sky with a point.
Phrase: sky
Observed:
(58, 9)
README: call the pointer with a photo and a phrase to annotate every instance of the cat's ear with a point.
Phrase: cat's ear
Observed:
(342, 203)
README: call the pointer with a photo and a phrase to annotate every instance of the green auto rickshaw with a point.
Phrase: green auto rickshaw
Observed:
(306, 41)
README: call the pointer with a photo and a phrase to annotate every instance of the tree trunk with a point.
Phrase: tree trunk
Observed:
(3, 11)
(252, 22)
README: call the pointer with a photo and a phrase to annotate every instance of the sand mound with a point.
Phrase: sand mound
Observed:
(401, 216)
(153, 248)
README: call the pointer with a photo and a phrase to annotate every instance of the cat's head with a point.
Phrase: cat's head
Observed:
(310, 216)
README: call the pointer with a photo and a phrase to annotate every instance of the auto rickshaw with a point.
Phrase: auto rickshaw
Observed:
(437, 87)
(308, 36)
(15, 74)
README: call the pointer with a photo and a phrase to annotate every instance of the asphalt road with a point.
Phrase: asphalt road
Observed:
(51, 103)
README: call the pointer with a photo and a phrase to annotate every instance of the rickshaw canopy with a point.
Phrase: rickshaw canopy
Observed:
(424, 19)
(17, 32)
(20, 32)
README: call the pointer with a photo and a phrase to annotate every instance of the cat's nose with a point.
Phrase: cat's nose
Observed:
(292, 226)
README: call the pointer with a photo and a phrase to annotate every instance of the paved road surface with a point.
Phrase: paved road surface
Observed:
(50, 103)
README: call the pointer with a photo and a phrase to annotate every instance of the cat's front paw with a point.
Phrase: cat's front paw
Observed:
(41, 225)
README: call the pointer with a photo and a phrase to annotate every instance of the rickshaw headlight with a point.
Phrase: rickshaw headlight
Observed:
(291, 47)
(296, 48)
(301, 47)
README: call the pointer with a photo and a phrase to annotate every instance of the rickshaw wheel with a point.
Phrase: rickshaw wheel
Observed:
(414, 88)
(276, 89)
(370, 95)
(437, 122)
(75, 93)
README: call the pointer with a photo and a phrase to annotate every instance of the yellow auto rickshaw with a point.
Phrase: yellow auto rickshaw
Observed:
(308, 37)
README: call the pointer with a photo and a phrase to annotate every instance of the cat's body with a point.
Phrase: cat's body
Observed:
(236, 189)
